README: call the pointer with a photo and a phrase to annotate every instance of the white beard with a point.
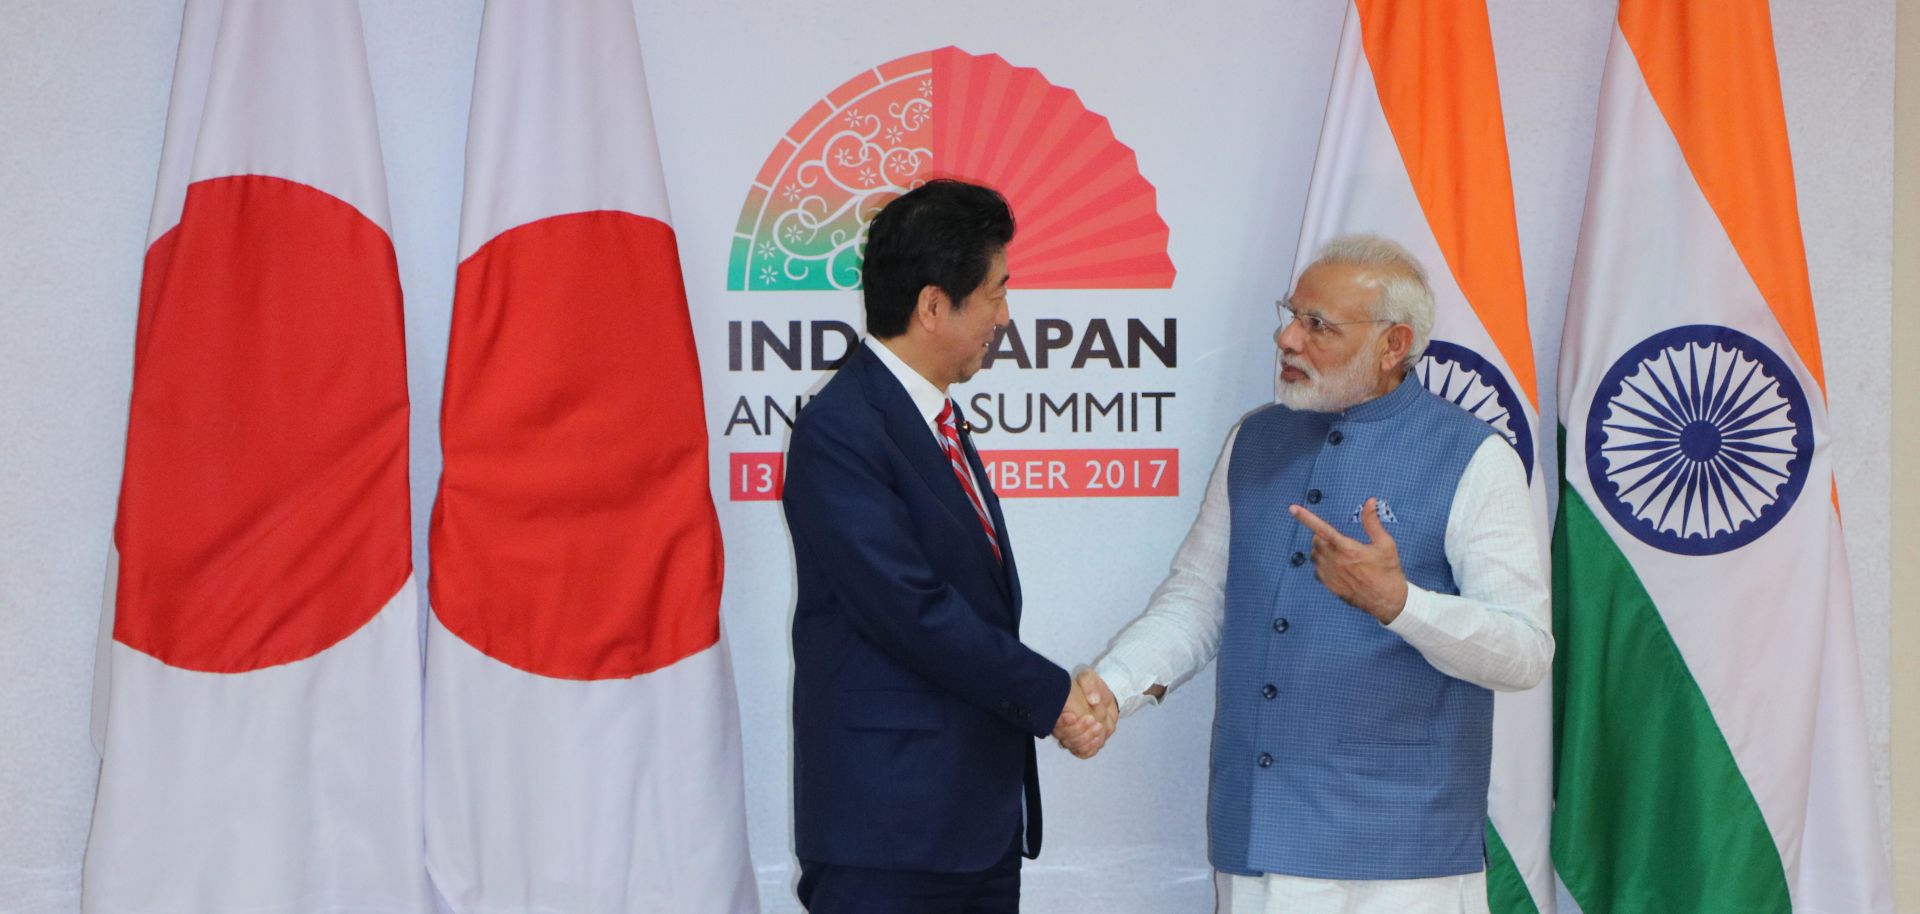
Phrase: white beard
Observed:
(1327, 392)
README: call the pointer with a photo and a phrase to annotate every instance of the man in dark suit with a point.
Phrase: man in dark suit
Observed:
(915, 705)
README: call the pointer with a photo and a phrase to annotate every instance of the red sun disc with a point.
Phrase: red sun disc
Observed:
(574, 535)
(263, 510)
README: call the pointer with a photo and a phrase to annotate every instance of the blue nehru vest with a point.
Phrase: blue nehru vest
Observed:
(1338, 751)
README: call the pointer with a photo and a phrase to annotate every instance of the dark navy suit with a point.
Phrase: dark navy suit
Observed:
(915, 706)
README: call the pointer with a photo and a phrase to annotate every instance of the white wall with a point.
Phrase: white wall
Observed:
(83, 88)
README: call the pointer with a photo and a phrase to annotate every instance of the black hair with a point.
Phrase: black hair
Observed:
(944, 234)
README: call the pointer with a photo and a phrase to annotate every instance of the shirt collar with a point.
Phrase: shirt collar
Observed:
(926, 398)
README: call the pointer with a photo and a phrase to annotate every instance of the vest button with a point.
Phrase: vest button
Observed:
(1334, 437)
(1313, 496)
(1265, 760)
(1299, 559)
(1281, 625)
(1268, 691)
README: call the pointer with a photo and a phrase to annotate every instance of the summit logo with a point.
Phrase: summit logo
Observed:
(1087, 218)
(1086, 396)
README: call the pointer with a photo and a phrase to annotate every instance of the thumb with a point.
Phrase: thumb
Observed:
(1370, 522)
(1089, 683)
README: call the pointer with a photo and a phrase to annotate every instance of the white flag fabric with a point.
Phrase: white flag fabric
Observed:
(258, 701)
(583, 745)
(1414, 149)
(1712, 743)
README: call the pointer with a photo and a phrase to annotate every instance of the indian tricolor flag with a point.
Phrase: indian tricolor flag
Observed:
(1712, 752)
(258, 708)
(583, 744)
(1414, 149)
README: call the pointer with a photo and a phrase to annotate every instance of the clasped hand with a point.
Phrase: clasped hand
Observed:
(1090, 717)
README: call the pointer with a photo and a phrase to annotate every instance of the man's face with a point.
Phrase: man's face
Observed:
(1331, 353)
(965, 332)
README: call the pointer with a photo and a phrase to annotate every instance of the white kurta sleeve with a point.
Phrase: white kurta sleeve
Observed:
(1179, 633)
(1495, 633)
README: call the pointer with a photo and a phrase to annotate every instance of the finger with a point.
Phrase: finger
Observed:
(1080, 726)
(1319, 527)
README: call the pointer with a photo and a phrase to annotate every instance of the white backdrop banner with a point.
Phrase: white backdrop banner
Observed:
(1158, 167)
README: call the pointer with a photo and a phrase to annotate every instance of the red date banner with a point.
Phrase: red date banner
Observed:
(1078, 473)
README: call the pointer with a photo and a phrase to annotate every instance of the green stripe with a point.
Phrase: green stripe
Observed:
(1506, 889)
(1651, 813)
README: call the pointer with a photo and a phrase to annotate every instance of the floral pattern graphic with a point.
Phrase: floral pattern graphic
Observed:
(844, 164)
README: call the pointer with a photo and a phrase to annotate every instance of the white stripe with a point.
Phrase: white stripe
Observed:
(561, 120)
(276, 89)
(618, 795)
(224, 793)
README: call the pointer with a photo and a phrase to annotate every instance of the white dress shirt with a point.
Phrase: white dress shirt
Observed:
(926, 398)
(1493, 634)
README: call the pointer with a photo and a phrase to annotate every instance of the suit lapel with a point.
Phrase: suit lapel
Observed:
(914, 437)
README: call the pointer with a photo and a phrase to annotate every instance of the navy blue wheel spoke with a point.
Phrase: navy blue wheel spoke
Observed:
(1649, 432)
(1702, 477)
(1475, 408)
(1673, 401)
(1747, 447)
(1677, 476)
(1752, 433)
(1726, 404)
(1693, 488)
(1721, 392)
(1668, 451)
(1734, 468)
(1749, 461)
(1707, 390)
(1658, 472)
(1747, 420)
(1747, 404)
(1725, 475)
(1664, 444)
(1711, 470)
(1671, 417)
(1693, 382)
(1650, 417)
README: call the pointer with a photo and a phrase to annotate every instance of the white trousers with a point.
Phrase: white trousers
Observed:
(1277, 894)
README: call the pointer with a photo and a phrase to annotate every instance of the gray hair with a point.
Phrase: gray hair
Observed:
(1405, 297)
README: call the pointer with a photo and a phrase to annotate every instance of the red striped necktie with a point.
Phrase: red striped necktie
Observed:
(950, 442)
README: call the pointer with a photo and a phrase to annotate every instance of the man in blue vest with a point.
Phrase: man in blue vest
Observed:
(1366, 566)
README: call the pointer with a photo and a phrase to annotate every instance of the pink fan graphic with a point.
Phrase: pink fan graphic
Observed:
(1088, 220)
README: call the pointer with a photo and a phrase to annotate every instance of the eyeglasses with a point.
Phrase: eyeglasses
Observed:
(1316, 323)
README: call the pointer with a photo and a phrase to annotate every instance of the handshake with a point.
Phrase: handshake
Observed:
(1090, 717)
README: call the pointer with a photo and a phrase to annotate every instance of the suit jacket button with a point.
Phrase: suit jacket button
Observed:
(1265, 760)
(1281, 625)
(1269, 691)
(1299, 559)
